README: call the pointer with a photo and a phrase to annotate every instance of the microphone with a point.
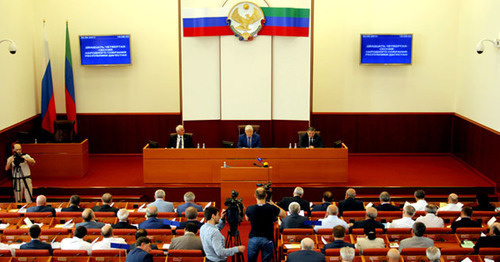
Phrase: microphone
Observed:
(255, 164)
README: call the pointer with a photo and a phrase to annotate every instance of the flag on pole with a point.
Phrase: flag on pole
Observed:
(69, 83)
(48, 102)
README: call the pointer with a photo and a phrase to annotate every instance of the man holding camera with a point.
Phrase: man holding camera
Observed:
(262, 217)
(21, 174)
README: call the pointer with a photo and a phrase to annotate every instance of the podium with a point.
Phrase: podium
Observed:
(244, 180)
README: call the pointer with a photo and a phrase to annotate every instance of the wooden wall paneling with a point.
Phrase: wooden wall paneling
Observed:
(205, 131)
(285, 132)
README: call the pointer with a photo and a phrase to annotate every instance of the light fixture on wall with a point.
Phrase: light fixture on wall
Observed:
(12, 47)
(480, 45)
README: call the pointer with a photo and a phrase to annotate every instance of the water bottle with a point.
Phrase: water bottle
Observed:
(203, 145)
(290, 145)
(198, 145)
(295, 145)
(36, 141)
(225, 164)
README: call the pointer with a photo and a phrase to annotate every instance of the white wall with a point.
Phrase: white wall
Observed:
(478, 88)
(17, 75)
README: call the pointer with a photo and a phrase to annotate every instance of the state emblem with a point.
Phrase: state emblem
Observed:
(246, 19)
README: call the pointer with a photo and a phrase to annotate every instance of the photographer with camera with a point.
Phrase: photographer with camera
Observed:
(262, 217)
(21, 174)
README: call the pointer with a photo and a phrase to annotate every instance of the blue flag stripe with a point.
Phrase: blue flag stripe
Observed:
(204, 22)
(68, 76)
(287, 21)
(47, 90)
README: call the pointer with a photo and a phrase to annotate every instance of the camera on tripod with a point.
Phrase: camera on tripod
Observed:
(234, 212)
(269, 191)
(18, 159)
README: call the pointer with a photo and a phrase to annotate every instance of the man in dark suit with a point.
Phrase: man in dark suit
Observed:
(338, 239)
(327, 200)
(141, 253)
(74, 206)
(350, 203)
(298, 192)
(142, 233)
(493, 240)
(294, 220)
(35, 242)
(465, 220)
(107, 199)
(41, 202)
(123, 220)
(306, 253)
(249, 139)
(310, 139)
(180, 140)
(370, 222)
(191, 215)
(89, 220)
(152, 222)
(385, 203)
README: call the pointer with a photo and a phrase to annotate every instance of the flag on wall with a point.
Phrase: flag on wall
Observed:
(69, 83)
(48, 102)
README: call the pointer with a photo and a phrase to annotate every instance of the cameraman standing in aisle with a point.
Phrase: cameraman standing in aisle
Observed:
(262, 217)
(21, 174)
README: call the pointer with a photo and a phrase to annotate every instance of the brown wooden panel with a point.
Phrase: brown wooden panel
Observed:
(244, 174)
(285, 132)
(246, 190)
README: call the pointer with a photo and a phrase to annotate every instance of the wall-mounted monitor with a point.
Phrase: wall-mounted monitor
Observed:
(386, 49)
(105, 50)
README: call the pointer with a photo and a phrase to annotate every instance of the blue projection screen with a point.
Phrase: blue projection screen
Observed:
(386, 49)
(105, 50)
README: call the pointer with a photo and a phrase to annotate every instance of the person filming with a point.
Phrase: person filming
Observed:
(21, 174)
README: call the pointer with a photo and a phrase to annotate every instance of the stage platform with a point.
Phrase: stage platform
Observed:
(369, 174)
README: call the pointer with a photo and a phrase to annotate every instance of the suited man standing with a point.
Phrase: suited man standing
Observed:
(249, 139)
(310, 139)
(41, 202)
(350, 203)
(465, 220)
(35, 242)
(306, 253)
(180, 140)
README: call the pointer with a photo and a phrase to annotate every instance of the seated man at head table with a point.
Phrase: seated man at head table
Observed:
(249, 139)
(310, 139)
(180, 140)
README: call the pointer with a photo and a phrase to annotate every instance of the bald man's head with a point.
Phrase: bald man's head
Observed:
(332, 210)
(371, 212)
(41, 200)
(307, 244)
(151, 211)
(88, 215)
(107, 231)
(393, 255)
(453, 198)
(350, 193)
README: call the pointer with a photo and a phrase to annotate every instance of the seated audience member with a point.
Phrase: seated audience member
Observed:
(393, 255)
(385, 203)
(418, 239)
(492, 240)
(189, 202)
(298, 193)
(306, 253)
(310, 139)
(152, 222)
(191, 216)
(249, 139)
(141, 233)
(180, 140)
(433, 254)
(453, 204)
(108, 238)
(331, 220)
(160, 203)
(123, 220)
(142, 252)
(327, 200)
(370, 222)
(350, 203)
(406, 221)
(74, 205)
(483, 203)
(465, 220)
(420, 203)
(369, 241)
(294, 220)
(89, 220)
(35, 242)
(76, 242)
(41, 206)
(189, 241)
(338, 239)
(107, 199)
(430, 219)
(347, 254)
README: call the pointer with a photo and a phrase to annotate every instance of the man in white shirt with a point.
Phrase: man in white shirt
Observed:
(453, 204)
(331, 220)
(420, 198)
(108, 238)
(430, 219)
(160, 203)
(406, 221)
(76, 242)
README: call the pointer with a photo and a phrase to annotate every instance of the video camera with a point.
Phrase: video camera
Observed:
(269, 191)
(234, 213)
(18, 159)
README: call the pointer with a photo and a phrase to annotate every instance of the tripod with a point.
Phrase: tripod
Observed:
(17, 175)
(233, 239)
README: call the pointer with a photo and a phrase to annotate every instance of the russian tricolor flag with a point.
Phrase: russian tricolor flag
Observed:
(69, 82)
(48, 102)
(213, 22)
